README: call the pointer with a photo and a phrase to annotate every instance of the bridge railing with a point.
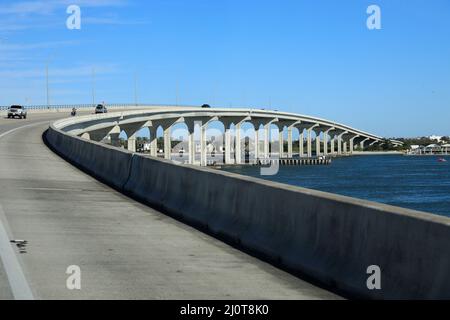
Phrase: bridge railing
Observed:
(85, 106)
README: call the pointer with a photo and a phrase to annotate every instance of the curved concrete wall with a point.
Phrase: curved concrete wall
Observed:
(104, 162)
(330, 238)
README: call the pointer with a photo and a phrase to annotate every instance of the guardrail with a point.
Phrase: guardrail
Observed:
(83, 106)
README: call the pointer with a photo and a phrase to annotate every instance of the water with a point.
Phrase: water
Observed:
(414, 182)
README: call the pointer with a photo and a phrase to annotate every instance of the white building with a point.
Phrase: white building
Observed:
(436, 138)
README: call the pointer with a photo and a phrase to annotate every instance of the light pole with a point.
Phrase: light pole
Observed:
(49, 60)
(93, 86)
(46, 75)
(135, 89)
(176, 93)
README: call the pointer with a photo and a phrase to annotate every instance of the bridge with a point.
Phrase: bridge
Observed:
(126, 250)
(141, 227)
(331, 138)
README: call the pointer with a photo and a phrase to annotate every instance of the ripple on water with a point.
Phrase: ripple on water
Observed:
(419, 183)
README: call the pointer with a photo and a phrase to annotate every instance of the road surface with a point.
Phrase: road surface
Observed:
(124, 249)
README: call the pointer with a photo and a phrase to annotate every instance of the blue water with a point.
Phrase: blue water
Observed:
(416, 182)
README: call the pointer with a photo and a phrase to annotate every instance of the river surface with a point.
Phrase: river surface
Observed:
(414, 182)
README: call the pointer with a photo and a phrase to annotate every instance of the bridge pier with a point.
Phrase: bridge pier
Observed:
(318, 151)
(266, 140)
(228, 144)
(132, 130)
(191, 141)
(256, 143)
(325, 140)
(203, 143)
(339, 147)
(115, 140)
(86, 136)
(153, 141)
(361, 145)
(332, 141)
(191, 147)
(352, 143)
(167, 143)
(289, 139)
(281, 141)
(301, 145)
(309, 144)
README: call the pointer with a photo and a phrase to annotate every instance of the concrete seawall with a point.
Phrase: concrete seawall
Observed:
(330, 238)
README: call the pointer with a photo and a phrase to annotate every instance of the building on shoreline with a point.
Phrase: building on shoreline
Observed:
(431, 149)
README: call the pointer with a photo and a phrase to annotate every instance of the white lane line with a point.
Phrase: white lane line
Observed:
(17, 281)
(52, 189)
(16, 277)
(23, 127)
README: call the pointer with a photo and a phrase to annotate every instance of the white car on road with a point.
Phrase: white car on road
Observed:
(17, 111)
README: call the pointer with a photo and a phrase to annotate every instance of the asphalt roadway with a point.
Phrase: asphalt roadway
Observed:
(124, 249)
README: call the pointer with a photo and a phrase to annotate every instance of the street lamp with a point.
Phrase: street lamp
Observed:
(176, 92)
(49, 60)
(93, 86)
(135, 89)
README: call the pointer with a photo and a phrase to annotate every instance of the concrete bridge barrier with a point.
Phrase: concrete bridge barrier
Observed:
(106, 163)
(329, 238)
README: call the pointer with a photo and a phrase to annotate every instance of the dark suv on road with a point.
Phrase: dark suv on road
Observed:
(101, 109)
(17, 111)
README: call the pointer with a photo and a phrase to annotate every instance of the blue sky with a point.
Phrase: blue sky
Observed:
(310, 57)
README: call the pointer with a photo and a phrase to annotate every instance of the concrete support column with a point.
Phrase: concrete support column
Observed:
(289, 142)
(318, 151)
(191, 140)
(191, 146)
(332, 145)
(301, 143)
(132, 143)
(237, 146)
(256, 143)
(266, 140)
(352, 145)
(362, 143)
(227, 144)
(115, 141)
(153, 142)
(309, 144)
(339, 141)
(131, 130)
(345, 147)
(86, 136)
(281, 143)
(167, 143)
(325, 143)
(203, 144)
